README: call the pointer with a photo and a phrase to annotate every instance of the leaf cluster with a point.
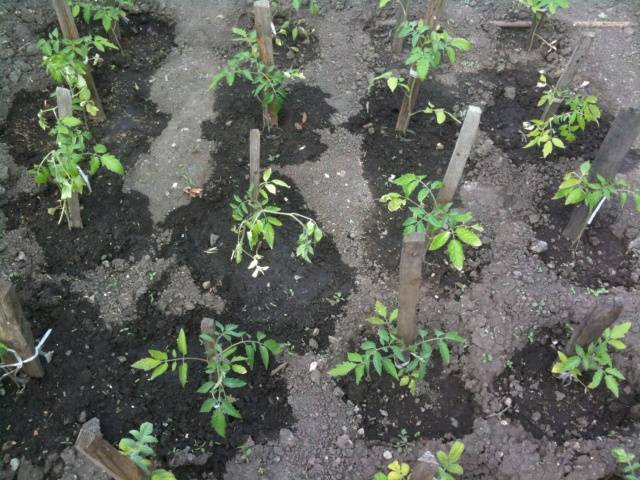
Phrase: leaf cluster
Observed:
(138, 449)
(64, 166)
(629, 463)
(580, 187)
(449, 465)
(230, 353)
(66, 61)
(397, 471)
(257, 220)
(267, 80)
(443, 224)
(577, 112)
(387, 352)
(595, 359)
(539, 8)
(107, 12)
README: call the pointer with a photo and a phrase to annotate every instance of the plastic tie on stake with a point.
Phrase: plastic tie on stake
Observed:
(16, 367)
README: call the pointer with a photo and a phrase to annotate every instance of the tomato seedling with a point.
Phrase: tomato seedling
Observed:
(138, 448)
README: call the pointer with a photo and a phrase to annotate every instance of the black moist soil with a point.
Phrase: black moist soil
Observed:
(503, 120)
(237, 112)
(388, 409)
(115, 223)
(599, 259)
(547, 408)
(425, 150)
(90, 372)
(292, 301)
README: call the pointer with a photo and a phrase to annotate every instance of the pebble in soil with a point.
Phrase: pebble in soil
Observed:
(548, 409)
(116, 224)
(52, 409)
(425, 150)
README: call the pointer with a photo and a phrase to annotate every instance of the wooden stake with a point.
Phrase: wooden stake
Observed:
(15, 332)
(401, 17)
(431, 19)
(65, 109)
(577, 58)
(70, 31)
(106, 457)
(254, 163)
(426, 468)
(616, 145)
(601, 317)
(413, 249)
(466, 139)
(207, 327)
(263, 22)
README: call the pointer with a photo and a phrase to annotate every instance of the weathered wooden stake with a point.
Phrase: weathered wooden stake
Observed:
(401, 17)
(208, 328)
(577, 58)
(65, 109)
(254, 163)
(601, 317)
(426, 468)
(413, 248)
(431, 18)
(15, 332)
(70, 31)
(107, 457)
(466, 139)
(262, 12)
(616, 145)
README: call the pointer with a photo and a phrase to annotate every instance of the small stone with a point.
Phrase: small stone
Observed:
(371, 130)
(122, 358)
(313, 344)
(287, 438)
(560, 396)
(387, 455)
(536, 416)
(539, 246)
(82, 417)
(213, 239)
(344, 442)
(189, 306)
(439, 146)
(22, 256)
(510, 93)
(635, 244)
(206, 285)
(337, 392)
(534, 218)
(14, 464)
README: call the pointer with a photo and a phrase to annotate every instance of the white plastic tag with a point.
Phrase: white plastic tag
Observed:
(413, 73)
(595, 212)
(273, 29)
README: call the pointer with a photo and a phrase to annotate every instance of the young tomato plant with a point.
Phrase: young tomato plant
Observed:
(230, 354)
(449, 465)
(66, 61)
(628, 462)
(539, 10)
(107, 12)
(596, 359)
(267, 80)
(257, 220)
(578, 111)
(388, 353)
(428, 48)
(443, 224)
(397, 471)
(579, 187)
(138, 448)
(66, 166)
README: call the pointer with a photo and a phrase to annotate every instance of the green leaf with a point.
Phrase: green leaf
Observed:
(159, 370)
(456, 254)
(232, 382)
(359, 370)
(468, 237)
(612, 384)
(439, 240)
(547, 149)
(183, 370)
(454, 337)
(380, 309)
(620, 330)
(392, 83)
(207, 405)
(146, 364)
(182, 342)
(576, 196)
(264, 355)
(443, 348)
(71, 122)
(219, 423)
(390, 367)
(457, 449)
(342, 369)
(111, 163)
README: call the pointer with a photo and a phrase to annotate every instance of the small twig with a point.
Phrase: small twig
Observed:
(278, 369)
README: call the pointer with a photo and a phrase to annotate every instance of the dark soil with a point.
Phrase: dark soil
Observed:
(387, 408)
(236, 110)
(600, 259)
(426, 150)
(116, 224)
(503, 120)
(546, 408)
(90, 373)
